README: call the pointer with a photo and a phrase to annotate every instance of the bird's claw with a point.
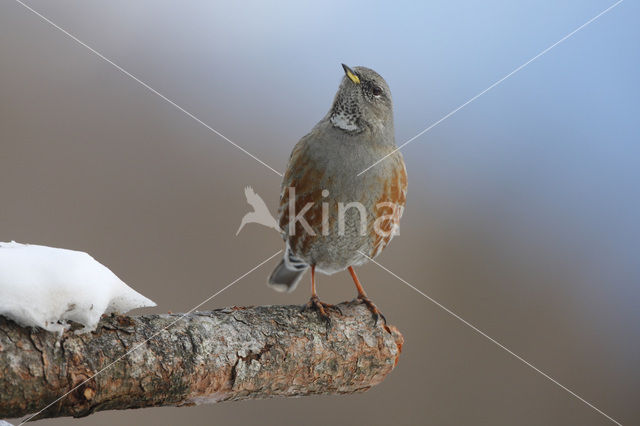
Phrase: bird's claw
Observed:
(375, 312)
(315, 304)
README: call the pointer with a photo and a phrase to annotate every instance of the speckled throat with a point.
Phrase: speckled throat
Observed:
(345, 114)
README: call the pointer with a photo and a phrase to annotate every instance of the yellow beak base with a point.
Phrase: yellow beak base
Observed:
(352, 75)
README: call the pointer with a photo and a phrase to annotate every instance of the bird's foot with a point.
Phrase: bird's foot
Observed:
(315, 304)
(375, 312)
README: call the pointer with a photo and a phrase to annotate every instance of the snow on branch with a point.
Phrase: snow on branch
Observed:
(223, 355)
(48, 287)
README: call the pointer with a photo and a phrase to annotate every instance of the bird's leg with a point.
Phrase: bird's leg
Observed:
(362, 296)
(314, 302)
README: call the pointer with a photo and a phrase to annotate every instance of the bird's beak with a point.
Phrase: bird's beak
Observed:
(352, 75)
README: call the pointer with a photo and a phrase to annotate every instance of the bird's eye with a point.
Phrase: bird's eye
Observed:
(376, 91)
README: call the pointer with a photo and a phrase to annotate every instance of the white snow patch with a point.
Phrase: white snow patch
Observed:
(45, 286)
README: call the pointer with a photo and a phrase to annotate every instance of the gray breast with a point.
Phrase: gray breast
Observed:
(341, 157)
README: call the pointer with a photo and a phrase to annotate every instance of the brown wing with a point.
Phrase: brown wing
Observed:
(306, 180)
(390, 206)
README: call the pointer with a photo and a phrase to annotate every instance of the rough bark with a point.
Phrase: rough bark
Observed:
(223, 355)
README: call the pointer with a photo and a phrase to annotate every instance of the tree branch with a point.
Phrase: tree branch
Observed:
(223, 355)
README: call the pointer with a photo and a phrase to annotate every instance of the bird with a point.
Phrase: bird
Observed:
(260, 213)
(333, 219)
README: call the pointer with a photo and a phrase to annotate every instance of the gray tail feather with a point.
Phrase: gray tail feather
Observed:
(284, 279)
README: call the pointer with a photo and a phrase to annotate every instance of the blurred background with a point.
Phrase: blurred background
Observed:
(522, 212)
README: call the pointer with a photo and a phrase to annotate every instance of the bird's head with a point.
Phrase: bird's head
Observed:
(363, 101)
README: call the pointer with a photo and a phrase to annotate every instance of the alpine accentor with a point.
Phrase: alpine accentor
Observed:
(329, 216)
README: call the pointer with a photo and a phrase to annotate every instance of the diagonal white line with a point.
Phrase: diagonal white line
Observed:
(500, 345)
(151, 89)
(493, 85)
(156, 333)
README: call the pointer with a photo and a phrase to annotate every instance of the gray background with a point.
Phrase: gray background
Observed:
(523, 207)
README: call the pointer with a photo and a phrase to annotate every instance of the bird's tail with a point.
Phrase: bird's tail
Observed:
(285, 277)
